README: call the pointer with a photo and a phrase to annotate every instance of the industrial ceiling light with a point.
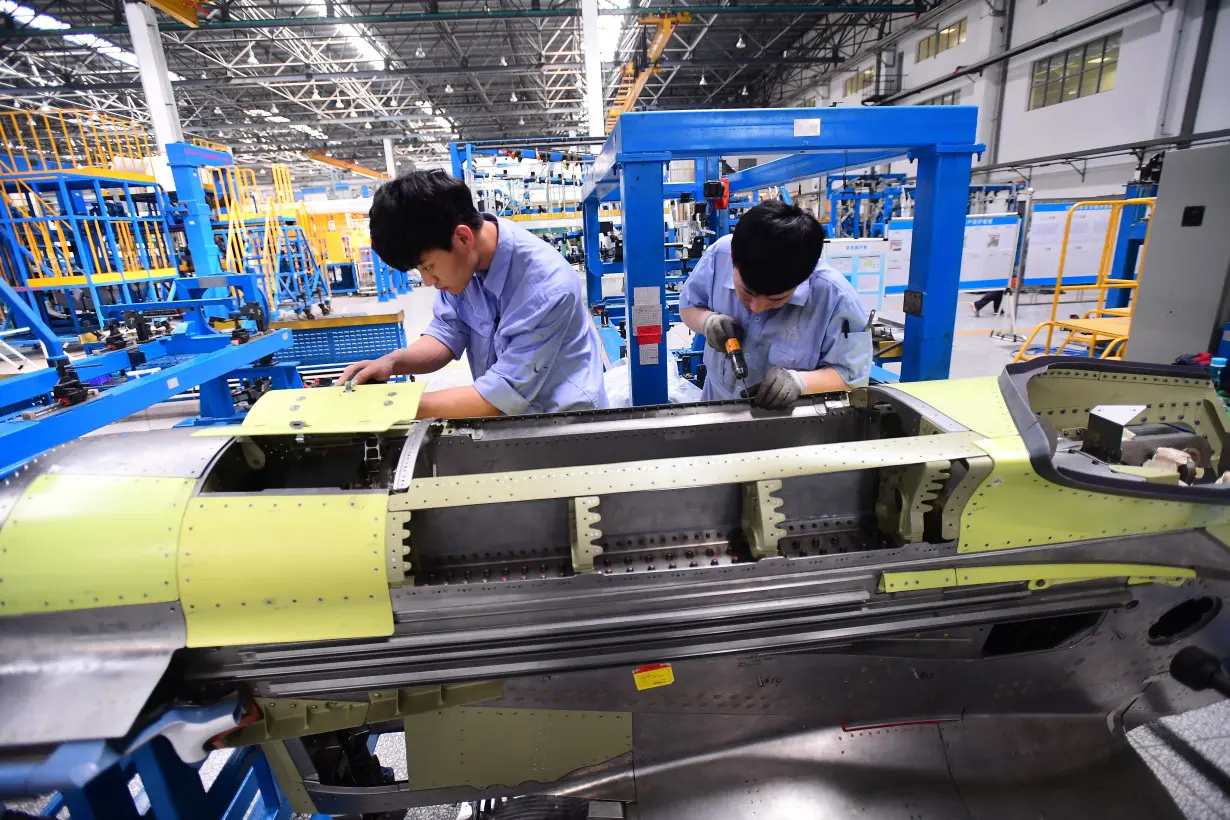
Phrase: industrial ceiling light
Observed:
(512, 97)
(337, 104)
(354, 114)
(743, 93)
(521, 121)
(217, 110)
(252, 58)
(503, 60)
(315, 93)
(367, 126)
(448, 88)
(703, 81)
(742, 43)
(273, 109)
(419, 53)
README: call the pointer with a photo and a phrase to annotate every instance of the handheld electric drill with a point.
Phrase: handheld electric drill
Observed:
(738, 363)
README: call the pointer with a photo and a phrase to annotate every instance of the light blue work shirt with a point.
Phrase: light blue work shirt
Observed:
(822, 325)
(525, 327)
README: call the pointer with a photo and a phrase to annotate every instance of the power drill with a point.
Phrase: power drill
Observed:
(738, 363)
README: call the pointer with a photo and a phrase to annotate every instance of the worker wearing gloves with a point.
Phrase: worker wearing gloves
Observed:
(506, 299)
(799, 321)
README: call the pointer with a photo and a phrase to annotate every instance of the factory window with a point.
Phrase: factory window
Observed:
(1078, 72)
(942, 40)
(863, 79)
(951, 98)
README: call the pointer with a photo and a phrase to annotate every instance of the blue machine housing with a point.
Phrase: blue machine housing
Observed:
(630, 168)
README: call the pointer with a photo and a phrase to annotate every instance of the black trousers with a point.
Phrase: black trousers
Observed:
(996, 296)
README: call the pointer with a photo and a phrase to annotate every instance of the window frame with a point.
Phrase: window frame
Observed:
(1078, 71)
(941, 40)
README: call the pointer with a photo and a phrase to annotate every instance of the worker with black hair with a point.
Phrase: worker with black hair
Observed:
(799, 321)
(507, 299)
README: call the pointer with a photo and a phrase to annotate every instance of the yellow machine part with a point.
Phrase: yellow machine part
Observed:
(281, 568)
(1016, 507)
(79, 542)
(1038, 576)
(368, 408)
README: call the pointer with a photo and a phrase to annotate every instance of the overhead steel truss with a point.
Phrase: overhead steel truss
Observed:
(275, 78)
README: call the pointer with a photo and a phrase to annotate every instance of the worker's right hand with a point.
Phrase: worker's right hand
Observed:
(367, 372)
(719, 327)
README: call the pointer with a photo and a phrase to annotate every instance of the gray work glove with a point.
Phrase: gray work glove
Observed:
(719, 327)
(780, 388)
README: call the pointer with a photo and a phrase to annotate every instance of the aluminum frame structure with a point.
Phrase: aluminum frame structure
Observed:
(817, 141)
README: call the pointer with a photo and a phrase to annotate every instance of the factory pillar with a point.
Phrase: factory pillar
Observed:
(645, 280)
(593, 67)
(390, 159)
(155, 80)
(941, 198)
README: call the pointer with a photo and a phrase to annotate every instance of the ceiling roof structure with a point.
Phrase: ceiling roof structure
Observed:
(275, 78)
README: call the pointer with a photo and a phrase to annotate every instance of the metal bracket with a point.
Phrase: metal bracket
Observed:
(907, 494)
(761, 517)
(977, 471)
(912, 302)
(398, 560)
(1081, 170)
(583, 530)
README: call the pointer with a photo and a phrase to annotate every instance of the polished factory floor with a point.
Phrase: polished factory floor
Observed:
(1202, 790)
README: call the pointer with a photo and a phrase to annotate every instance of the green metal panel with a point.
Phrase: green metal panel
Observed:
(83, 541)
(482, 746)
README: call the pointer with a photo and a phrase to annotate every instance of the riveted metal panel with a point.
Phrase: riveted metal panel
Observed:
(1015, 507)
(274, 569)
(480, 746)
(674, 473)
(74, 542)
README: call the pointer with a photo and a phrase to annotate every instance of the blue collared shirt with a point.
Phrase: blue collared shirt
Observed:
(822, 325)
(525, 327)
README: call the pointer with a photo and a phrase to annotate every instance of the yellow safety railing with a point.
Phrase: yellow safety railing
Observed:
(1108, 326)
(213, 146)
(283, 190)
(67, 139)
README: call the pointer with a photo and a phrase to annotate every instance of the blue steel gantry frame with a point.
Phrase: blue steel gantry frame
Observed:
(817, 141)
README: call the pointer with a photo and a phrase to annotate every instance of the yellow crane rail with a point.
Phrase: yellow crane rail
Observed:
(325, 159)
(632, 79)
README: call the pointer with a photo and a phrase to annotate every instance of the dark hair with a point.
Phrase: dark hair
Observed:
(776, 247)
(418, 212)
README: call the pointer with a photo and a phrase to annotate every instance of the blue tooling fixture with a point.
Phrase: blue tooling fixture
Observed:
(40, 410)
(817, 141)
(847, 194)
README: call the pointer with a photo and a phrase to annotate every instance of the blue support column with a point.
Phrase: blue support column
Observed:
(454, 154)
(1128, 240)
(645, 279)
(590, 230)
(173, 787)
(935, 261)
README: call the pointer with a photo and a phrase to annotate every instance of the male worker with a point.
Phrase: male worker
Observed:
(507, 299)
(799, 321)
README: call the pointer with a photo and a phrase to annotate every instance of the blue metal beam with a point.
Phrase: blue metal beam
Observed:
(22, 440)
(804, 166)
(745, 132)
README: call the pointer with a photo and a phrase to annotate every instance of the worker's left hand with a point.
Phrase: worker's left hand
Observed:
(780, 388)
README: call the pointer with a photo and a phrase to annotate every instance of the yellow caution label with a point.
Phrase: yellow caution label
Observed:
(651, 677)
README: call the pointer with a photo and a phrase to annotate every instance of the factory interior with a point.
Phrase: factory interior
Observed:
(331, 333)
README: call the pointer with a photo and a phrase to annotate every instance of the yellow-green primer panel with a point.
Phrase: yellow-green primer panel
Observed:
(84, 541)
(280, 568)
(1039, 576)
(487, 746)
(368, 408)
(976, 403)
(1015, 507)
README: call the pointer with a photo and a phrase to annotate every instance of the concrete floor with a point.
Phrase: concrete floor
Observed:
(1200, 792)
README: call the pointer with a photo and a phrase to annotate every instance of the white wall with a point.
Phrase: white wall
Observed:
(1129, 112)
(1157, 52)
(1214, 113)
